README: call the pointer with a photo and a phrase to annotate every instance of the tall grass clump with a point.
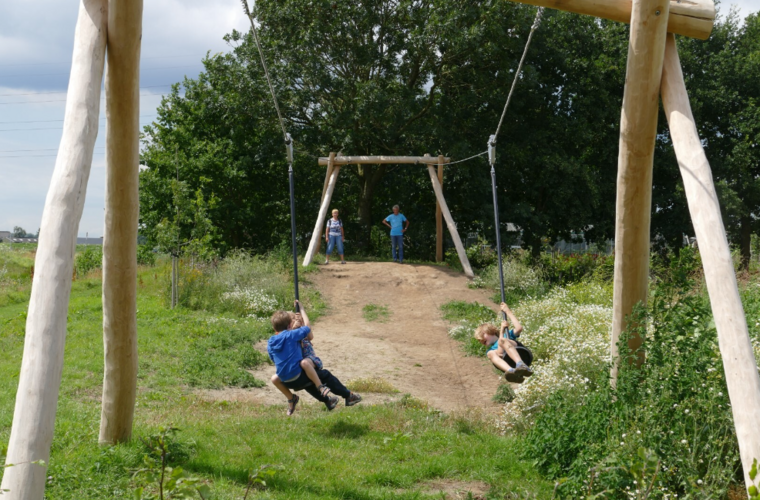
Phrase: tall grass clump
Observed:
(243, 285)
(16, 262)
(520, 279)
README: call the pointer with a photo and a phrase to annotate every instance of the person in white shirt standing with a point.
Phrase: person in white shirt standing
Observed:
(334, 236)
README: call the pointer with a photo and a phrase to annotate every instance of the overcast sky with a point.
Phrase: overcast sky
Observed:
(35, 57)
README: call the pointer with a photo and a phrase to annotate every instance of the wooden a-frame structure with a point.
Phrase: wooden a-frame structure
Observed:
(112, 30)
(335, 162)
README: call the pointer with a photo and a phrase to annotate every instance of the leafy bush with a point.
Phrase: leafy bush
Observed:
(481, 255)
(520, 280)
(676, 405)
(562, 269)
(89, 259)
(146, 256)
(241, 284)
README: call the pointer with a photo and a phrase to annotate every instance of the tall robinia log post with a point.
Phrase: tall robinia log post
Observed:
(42, 363)
(739, 361)
(120, 238)
(638, 131)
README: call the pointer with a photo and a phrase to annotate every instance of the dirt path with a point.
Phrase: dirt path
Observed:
(412, 349)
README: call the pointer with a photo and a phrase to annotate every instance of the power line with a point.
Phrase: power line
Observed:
(60, 74)
(68, 63)
(64, 100)
(65, 91)
(49, 121)
(38, 128)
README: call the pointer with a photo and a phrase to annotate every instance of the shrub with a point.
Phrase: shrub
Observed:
(146, 256)
(89, 259)
(241, 284)
(562, 269)
(520, 280)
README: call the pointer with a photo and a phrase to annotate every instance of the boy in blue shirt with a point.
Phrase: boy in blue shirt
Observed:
(396, 221)
(285, 349)
(501, 344)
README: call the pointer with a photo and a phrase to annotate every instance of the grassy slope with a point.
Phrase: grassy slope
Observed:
(353, 453)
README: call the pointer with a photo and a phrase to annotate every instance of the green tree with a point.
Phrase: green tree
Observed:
(390, 77)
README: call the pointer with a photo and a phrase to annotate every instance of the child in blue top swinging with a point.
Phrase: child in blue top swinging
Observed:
(298, 367)
(502, 343)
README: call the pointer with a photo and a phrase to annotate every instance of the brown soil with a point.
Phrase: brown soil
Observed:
(412, 349)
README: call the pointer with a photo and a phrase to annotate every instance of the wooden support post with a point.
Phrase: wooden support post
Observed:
(120, 238)
(638, 130)
(319, 227)
(328, 173)
(736, 350)
(438, 216)
(42, 363)
(450, 222)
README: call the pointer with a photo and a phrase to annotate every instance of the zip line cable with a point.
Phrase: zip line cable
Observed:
(266, 71)
(536, 23)
(289, 150)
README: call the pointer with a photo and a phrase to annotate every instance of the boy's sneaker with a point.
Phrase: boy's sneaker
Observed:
(327, 262)
(331, 403)
(523, 369)
(353, 399)
(512, 375)
(343, 262)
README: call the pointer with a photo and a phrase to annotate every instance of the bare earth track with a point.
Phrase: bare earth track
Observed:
(412, 350)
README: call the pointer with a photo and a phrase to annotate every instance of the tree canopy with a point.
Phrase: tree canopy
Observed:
(408, 77)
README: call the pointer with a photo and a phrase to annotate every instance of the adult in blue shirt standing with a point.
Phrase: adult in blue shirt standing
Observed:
(396, 221)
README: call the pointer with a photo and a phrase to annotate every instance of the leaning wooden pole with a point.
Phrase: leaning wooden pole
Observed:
(739, 361)
(328, 174)
(439, 217)
(42, 363)
(638, 131)
(120, 238)
(450, 222)
(319, 226)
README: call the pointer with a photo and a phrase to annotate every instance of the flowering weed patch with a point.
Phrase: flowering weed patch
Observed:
(675, 407)
(568, 332)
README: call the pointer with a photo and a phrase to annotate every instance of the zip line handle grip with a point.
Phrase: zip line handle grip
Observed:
(289, 147)
(492, 150)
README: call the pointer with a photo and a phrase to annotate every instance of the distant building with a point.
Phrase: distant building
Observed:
(90, 241)
(22, 240)
(5, 236)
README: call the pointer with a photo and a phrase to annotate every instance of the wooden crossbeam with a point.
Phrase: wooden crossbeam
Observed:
(692, 18)
(382, 160)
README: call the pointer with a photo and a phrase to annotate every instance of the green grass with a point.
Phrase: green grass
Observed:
(364, 452)
(377, 385)
(374, 312)
(467, 315)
